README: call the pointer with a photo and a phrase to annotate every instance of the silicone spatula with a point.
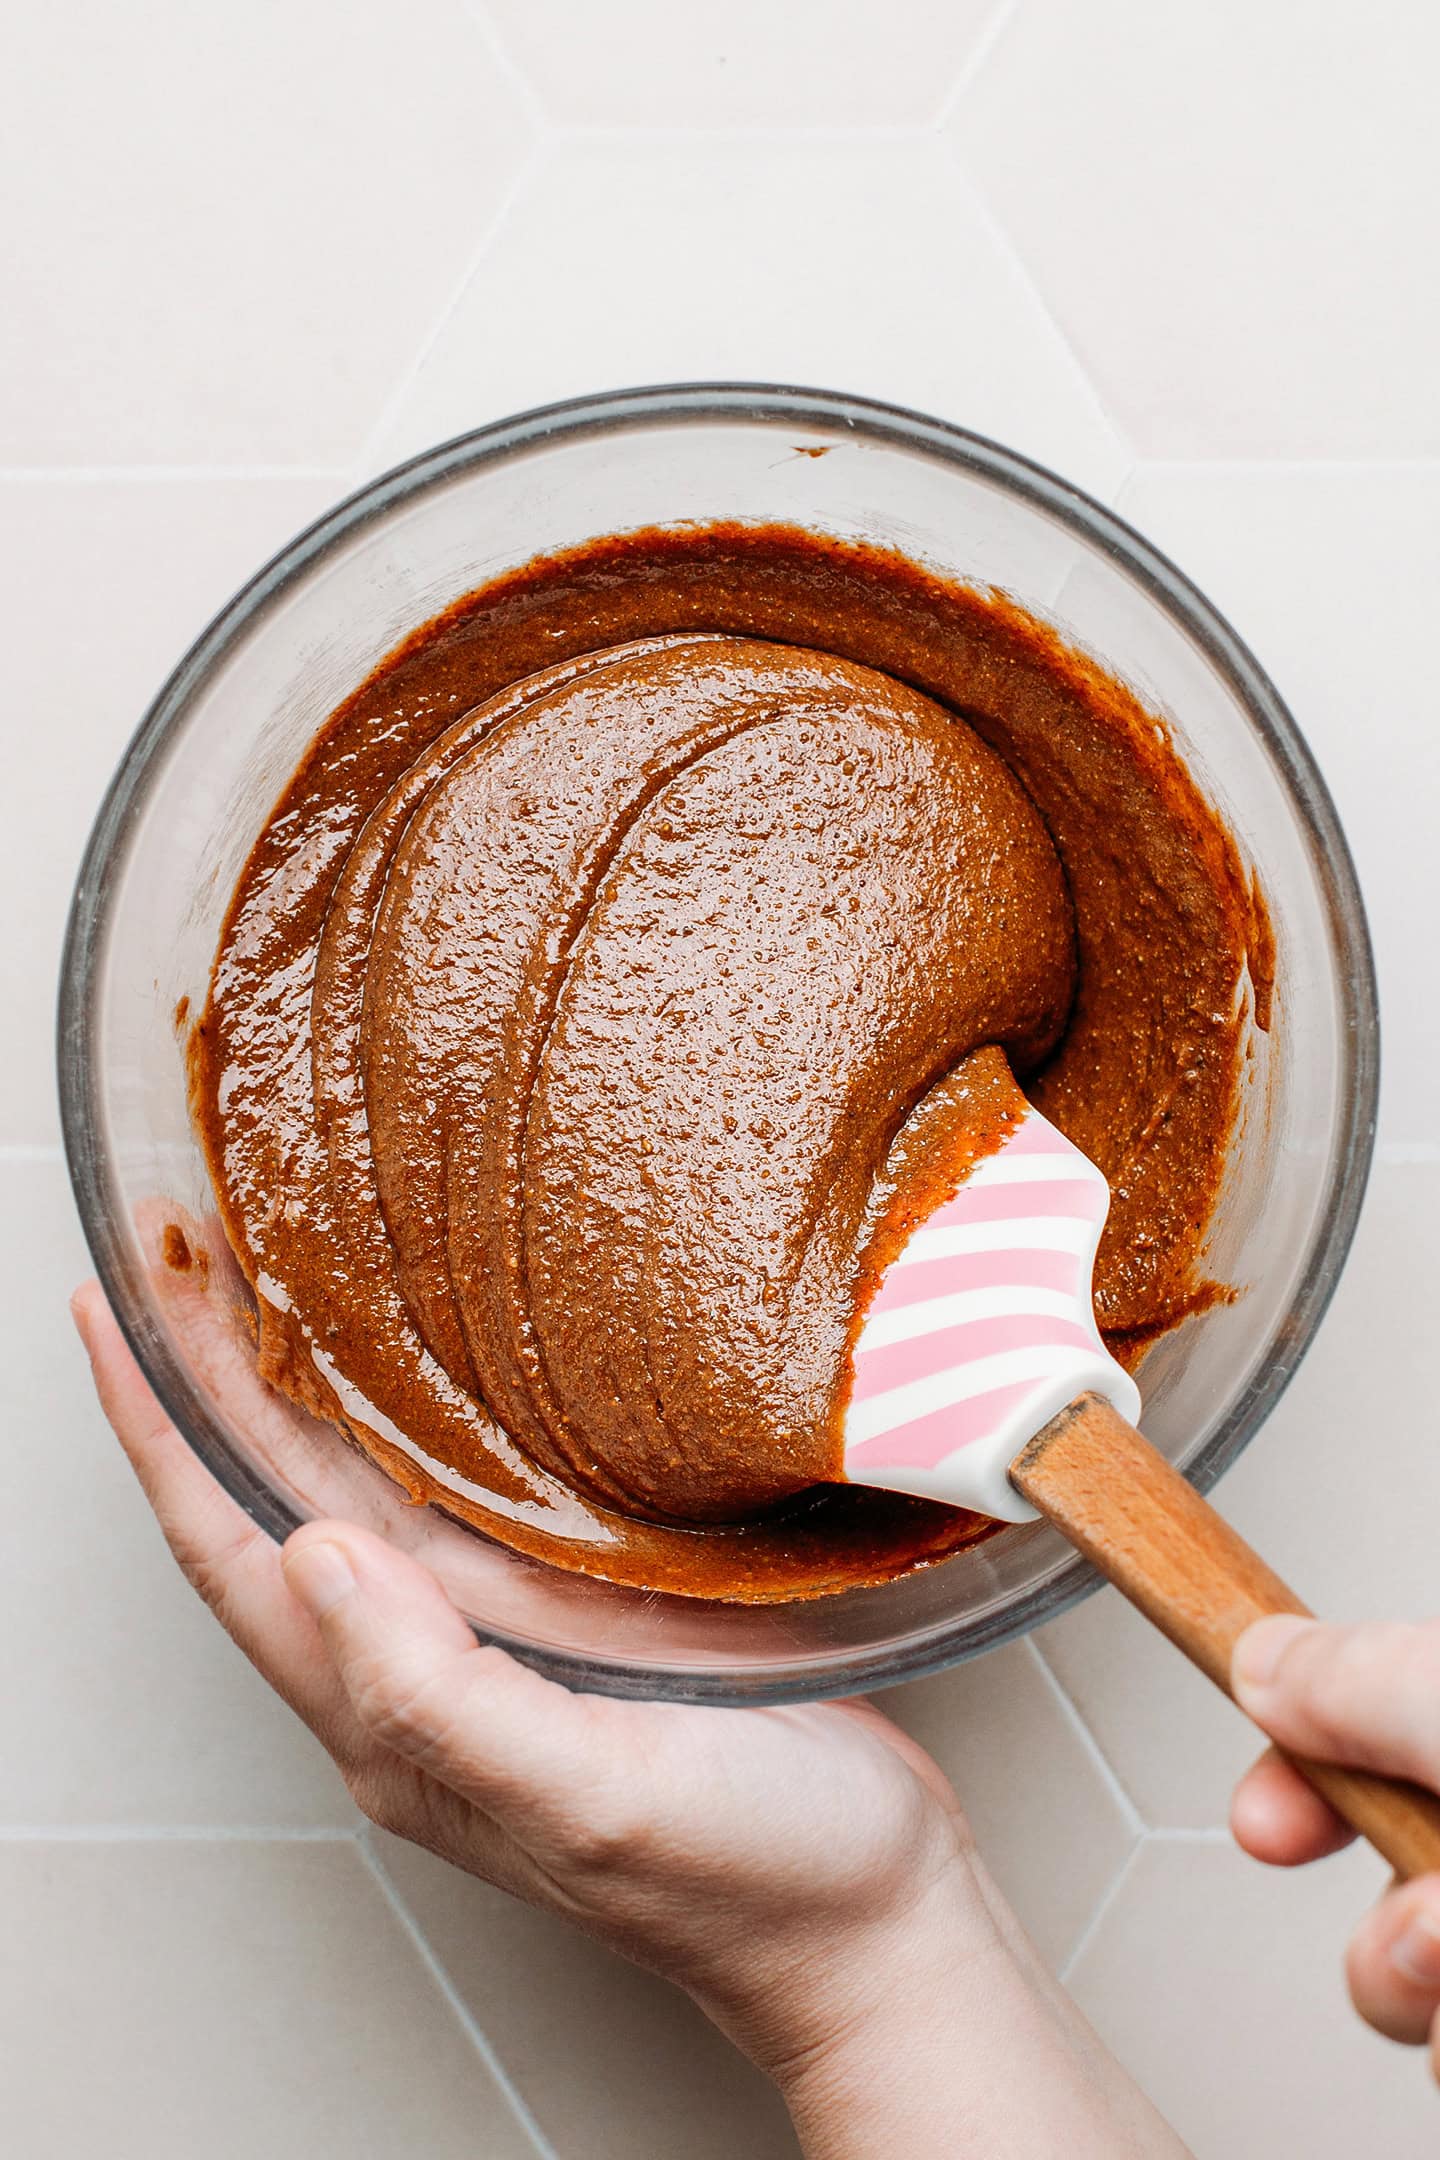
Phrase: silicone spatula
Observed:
(980, 1379)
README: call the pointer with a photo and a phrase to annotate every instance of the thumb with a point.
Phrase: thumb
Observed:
(1366, 1696)
(417, 1679)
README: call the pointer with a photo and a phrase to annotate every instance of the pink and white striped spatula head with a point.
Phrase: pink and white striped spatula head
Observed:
(983, 1329)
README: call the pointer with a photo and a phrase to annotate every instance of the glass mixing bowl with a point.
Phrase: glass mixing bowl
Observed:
(213, 752)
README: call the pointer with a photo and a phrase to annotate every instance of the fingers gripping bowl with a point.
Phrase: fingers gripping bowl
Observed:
(215, 752)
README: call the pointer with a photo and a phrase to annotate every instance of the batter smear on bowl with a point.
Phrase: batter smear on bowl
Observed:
(629, 960)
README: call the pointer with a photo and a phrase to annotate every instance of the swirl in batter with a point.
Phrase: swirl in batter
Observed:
(630, 953)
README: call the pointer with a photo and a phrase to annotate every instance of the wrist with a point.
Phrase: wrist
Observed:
(945, 2036)
(895, 2020)
(814, 2002)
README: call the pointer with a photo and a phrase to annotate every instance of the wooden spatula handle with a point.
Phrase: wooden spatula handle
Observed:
(1139, 1522)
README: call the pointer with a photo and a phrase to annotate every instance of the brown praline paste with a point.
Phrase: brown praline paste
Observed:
(599, 1000)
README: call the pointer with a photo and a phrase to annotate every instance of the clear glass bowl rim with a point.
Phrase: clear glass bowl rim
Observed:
(92, 1173)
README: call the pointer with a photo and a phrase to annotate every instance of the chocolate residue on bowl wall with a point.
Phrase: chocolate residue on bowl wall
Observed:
(452, 1199)
(181, 1257)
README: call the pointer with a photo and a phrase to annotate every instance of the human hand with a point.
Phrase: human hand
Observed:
(1368, 1697)
(805, 1872)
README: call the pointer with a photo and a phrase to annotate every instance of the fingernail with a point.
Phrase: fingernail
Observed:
(1261, 1647)
(319, 1574)
(1415, 1952)
(80, 1313)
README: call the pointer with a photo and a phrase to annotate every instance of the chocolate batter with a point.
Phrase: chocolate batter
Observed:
(601, 998)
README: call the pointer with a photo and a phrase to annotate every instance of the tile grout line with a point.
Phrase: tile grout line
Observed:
(984, 45)
(1109, 1775)
(991, 221)
(492, 37)
(469, 2024)
(1121, 488)
(817, 135)
(1103, 1906)
(174, 1834)
(520, 180)
(1181, 1834)
(81, 475)
(805, 135)
(549, 122)
(1257, 464)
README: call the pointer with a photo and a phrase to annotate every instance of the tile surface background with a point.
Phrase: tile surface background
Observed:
(1180, 253)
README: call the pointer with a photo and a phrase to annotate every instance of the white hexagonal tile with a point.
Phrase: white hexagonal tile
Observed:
(612, 2062)
(125, 1703)
(1006, 1739)
(1232, 211)
(116, 578)
(1331, 573)
(1342, 1489)
(225, 1998)
(807, 63)
(1218, 1984)
(235, 226)
(630, 263)
(1335, 1492)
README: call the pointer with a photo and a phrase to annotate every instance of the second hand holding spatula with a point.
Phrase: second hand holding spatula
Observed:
(981, 1380)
